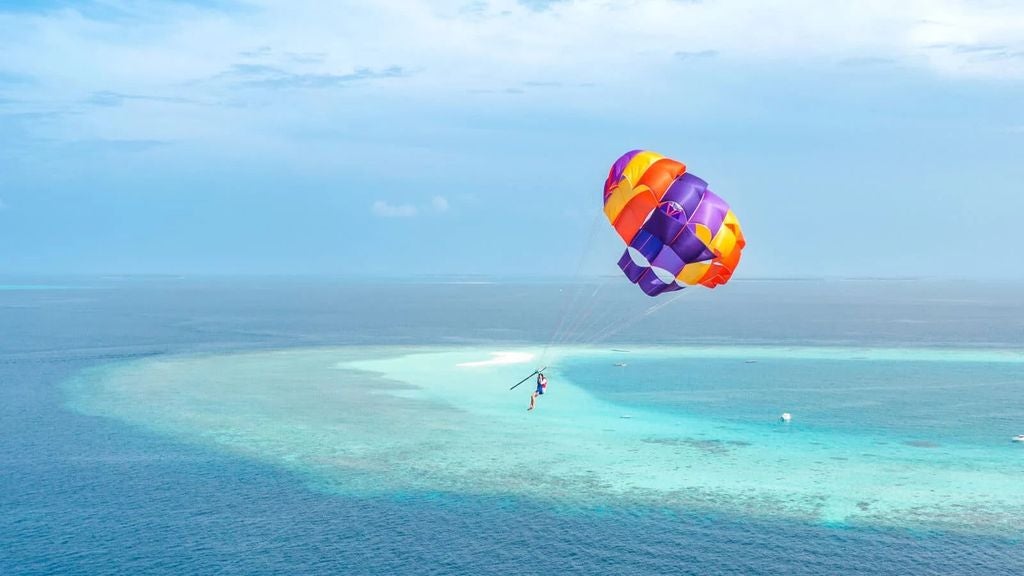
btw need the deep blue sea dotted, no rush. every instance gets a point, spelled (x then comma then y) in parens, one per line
(84, 494)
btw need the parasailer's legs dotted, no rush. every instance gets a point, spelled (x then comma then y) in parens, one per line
(542, 383)
(533, 397)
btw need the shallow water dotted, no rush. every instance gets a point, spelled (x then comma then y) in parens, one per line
(420, 421)
(262, 426)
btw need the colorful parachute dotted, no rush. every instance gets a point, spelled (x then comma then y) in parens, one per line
(678, 232)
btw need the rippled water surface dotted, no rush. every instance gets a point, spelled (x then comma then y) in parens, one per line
(268, 426)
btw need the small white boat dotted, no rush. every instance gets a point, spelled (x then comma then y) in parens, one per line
(786, 417)
(620, 364)
(1018, 438)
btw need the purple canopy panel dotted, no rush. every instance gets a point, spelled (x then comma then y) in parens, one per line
(666, 222)
(645, 243)
(669, 261)
(646, 248)
(686, 191)
(616, 172)
(661, 276)
(652, 285)
(690, 248)
(631, 269)
(647, 251)
(710, 212)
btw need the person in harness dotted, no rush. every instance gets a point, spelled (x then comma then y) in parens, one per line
(542, 384)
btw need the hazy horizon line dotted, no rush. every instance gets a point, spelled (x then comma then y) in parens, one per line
(466, 276)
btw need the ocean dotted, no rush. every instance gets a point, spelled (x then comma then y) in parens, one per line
(257, 425)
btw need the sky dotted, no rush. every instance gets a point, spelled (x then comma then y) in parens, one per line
(406, 138)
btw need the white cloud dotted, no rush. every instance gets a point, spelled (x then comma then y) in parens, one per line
(385, 209)
(440, 203)
(601, 40)
(275, 65)
(504, 40)
(389, 210)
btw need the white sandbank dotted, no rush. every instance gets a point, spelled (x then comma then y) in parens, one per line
(499, 359)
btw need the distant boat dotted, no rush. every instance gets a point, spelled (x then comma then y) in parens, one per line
(1018, 438)
(786, 417)
(750, 361)
(620, 364)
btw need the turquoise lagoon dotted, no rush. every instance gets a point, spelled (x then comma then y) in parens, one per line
(889, 437)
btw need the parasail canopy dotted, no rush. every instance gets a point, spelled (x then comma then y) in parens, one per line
(677, 232)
